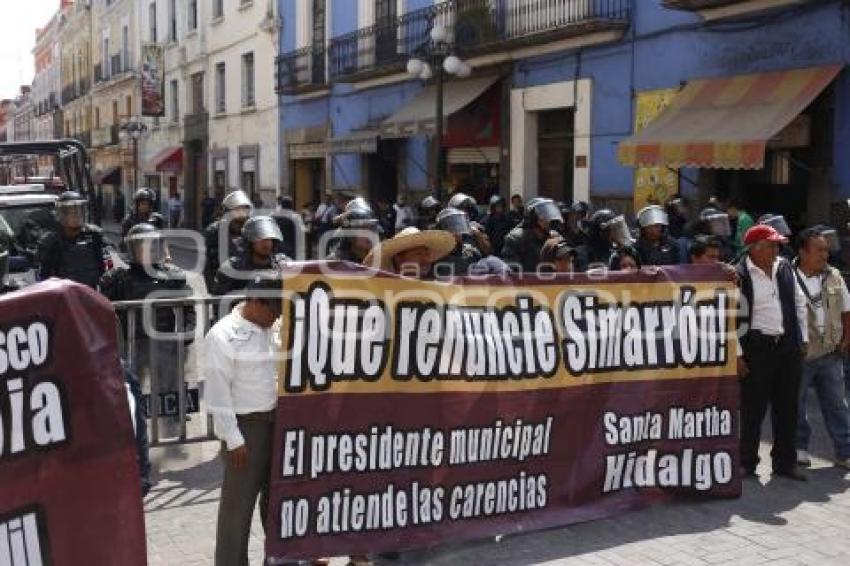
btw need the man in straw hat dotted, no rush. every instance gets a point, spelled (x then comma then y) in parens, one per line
(412, 252)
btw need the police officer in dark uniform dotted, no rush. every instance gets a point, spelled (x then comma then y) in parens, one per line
(467, 204)
(497, 224)
(142, 211)
(606, 233)
(149, 275)
(428, 210)
(655, 246)
(465, 253)
(261, 238)
(237, 209)
(523, 244)
(74, 250)
(358, 233)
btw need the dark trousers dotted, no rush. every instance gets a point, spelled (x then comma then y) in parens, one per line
(240, 490)
(775, 371)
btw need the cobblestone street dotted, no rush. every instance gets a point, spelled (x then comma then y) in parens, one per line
(777, 521)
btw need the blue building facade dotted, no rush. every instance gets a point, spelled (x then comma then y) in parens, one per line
(566, 79)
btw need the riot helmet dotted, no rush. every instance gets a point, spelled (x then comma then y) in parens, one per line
(652, 215)
(359, 214)
(145, 244)
(429, 203)
(237, 199)
(143, 194)
(543, 210)
(777, 222)
(595, 225)
(454, 221)
(497, 200)
(463, 202)
(71, 207)
(261, 228)
(716, 223)
(618, 231)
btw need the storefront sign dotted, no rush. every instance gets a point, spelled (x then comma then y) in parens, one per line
(413, 414)
(69, 480)
(653, 185)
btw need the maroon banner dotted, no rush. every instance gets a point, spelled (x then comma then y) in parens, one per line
(413, 414)
(70, 493)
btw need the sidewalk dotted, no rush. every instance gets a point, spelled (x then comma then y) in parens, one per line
(776, 521)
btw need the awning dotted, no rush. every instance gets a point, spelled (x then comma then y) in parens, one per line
(357, 141)
(473, 156)
(109, 176)
(169, 160)
(725, 123)
(418, 116)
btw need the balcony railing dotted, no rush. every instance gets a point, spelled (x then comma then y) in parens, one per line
(698, 4)
(301, 71)
(478, 26)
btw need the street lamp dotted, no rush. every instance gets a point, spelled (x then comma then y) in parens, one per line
(134, 129)
(436, 59)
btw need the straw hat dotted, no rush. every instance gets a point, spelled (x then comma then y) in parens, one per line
(439, 242)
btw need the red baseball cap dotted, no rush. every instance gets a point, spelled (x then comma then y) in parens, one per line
(762, 232)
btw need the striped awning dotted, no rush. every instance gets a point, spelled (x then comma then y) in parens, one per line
(725, 123)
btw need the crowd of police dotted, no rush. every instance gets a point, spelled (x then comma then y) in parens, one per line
(794, 332)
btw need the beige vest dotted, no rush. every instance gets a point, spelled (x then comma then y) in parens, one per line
(826, 343)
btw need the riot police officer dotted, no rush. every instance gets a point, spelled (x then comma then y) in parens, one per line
(497, 224)
(149, 275)
(465, 254)
(466, 204)
(606, 233)
(429, 207)
(237, 209)
(75, 249)
(523, 244)
(655, 246)
(142, 211)
(261, 238)
(357, 235)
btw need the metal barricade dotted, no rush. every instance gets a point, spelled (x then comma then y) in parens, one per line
(161, 404)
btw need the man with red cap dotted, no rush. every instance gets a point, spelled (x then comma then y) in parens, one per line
(773, 335)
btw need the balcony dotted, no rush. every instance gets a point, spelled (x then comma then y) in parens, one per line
(106, 136)
(717, 9)
(479, 27)
(117, 66)
(301, 71)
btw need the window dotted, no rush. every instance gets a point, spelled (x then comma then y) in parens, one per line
(197, 93)
(107, 71)
(175, 101)
(172, 19)
(129, 106)
(248, 79)
(220, 174)
(193, 15)
(218, 9)
(220, 89)
(248, 165)
(125, 48)
(152, 22)
(97, 118)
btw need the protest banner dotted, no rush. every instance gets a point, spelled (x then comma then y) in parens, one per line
(418, 413)
(70, 493)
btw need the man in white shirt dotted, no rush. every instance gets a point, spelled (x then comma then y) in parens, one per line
(828, 310)
(773, 332)
(240, 369)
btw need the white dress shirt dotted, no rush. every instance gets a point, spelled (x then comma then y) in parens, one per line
(766, 309)
(814, 285)
(240, 370)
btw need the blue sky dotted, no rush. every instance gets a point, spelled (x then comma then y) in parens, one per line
(17, 39)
